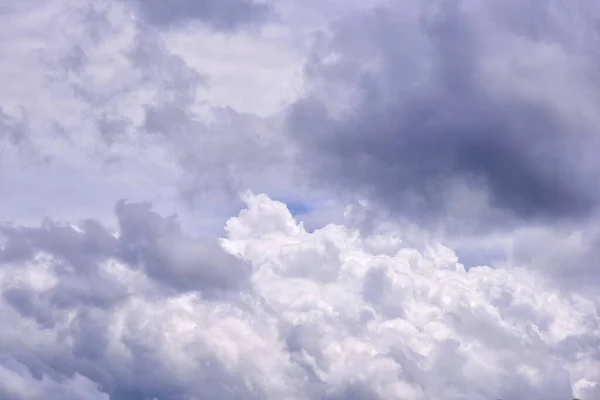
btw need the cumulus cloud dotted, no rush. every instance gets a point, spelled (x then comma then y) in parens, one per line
(331, 314)
(467, 111)
(469, 114)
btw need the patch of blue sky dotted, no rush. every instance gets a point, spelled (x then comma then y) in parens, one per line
(298, 207)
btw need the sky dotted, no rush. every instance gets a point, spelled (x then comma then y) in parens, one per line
(285, 199)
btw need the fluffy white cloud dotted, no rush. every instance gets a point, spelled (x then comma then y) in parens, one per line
(329, 314)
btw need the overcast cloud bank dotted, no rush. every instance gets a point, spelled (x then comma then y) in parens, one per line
(440, 157)
(476, 114)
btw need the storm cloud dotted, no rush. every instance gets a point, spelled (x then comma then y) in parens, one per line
(469, 108)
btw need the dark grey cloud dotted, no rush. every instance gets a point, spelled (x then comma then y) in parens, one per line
(146, 241)
(157, 244)
(225, 15)
(403, 107)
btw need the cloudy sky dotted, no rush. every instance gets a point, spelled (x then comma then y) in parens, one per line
(299, 199)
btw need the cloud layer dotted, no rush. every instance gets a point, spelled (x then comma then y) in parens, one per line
(102, 99)
(148, 313)
(458, 108)
(376, 122)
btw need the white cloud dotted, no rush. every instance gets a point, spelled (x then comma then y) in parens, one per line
(256, 72)
(331, 314)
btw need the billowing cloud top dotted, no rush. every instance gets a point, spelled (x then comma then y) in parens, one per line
(330, 314)
(427, 223)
